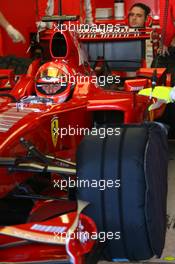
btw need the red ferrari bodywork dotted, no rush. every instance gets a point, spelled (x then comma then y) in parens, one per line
(54, 129)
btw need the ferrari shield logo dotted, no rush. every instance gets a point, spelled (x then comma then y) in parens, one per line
(54, 130)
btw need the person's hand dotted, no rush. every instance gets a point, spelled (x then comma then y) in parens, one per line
(163, 51)
(41, 25)
(15, 35)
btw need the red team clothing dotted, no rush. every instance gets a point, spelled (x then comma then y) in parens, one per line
(169, 26)
(1, 51)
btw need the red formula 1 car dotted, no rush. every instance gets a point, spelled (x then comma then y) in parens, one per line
(47, 177)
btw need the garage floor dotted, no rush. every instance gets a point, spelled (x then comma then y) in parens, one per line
(168, 255)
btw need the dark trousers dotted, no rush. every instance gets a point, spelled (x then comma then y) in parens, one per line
(168, 62)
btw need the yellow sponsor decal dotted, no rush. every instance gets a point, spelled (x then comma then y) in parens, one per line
(55, 130)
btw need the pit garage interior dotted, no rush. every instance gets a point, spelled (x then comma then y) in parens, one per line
(125, 52)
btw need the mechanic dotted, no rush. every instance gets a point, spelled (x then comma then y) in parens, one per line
(167, 20)
(166, 57)
(166, 51)
(138, 15)
(15, 35)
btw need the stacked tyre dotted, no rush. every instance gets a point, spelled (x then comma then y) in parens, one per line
(138, 159)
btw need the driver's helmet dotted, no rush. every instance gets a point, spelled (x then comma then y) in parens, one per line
(52, 81)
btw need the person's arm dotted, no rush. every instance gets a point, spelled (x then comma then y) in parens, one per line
(3, 21)
(15, 35)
